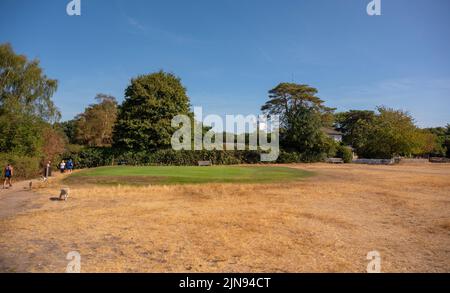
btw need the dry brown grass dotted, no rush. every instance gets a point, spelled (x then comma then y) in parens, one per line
(327, 223)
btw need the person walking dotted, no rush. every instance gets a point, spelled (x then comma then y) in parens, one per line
(9, 173)
(69, 166)
(48, 170)
(62, 166)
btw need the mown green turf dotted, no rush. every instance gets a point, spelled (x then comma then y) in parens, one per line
(186, 175)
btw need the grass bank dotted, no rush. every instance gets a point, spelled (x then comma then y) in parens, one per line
(126, 175)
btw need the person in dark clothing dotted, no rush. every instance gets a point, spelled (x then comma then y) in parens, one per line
(9, 173)
(69, 166)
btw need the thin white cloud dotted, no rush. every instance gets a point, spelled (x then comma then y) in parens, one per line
(136, 25)
(152, 31)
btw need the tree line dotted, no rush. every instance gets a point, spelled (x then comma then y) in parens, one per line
(31, 131)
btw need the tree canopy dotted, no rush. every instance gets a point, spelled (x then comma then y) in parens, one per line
(384, 134)
(443, 140)
(302, 115)
(144, 119)
(287, 98)
(24, 88)
(94, 127)
(354, 126)
(26, 108)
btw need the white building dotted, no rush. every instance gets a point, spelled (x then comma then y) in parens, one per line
(333, 133)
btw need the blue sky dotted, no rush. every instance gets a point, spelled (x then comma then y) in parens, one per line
(229, 53)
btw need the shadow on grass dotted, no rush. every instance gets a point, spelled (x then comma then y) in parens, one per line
(56, 199)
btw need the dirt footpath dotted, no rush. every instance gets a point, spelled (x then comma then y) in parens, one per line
(17, 200)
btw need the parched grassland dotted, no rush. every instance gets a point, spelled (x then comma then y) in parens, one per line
(324, 223)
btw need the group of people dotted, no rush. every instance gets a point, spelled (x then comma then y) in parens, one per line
(8, 171)
(63, 167)
(66, 166)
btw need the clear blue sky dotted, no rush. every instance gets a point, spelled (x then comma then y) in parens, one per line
(229, 53)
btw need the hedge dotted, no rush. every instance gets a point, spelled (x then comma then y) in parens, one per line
(96, 157)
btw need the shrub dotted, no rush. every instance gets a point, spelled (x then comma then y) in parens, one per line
(313, 157)
(289, 157)
(24, 167)
(191, 158)
(96, 157)
(345, 153)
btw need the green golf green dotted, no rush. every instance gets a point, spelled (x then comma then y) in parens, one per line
(127, 175)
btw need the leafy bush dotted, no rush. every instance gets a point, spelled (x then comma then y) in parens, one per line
(289, 157)
(24, 167)
(345, 153)
(96, 157)
(313, 157)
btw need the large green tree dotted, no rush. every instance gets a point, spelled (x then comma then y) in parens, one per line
(94, 127)
(24, 88)
(384, 134)
(443, 140)
(26, 108)
(144, 119)
(393, 133)
(426, 143)
(287, 98)
(302, 115)
(69, 130)
(354, 126)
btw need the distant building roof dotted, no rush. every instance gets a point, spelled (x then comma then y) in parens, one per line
(331, 131)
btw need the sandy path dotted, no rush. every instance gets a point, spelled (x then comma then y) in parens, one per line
(17, 199)
(14, 201)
